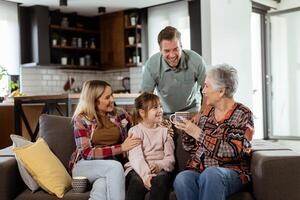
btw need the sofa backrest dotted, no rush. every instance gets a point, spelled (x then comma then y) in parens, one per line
(181, 156)
(57, 131)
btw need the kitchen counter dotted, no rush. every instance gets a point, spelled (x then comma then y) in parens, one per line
(120, 98)
(57, 104)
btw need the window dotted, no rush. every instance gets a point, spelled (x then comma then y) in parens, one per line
(9, 40)
(258, 66)
(284, 73)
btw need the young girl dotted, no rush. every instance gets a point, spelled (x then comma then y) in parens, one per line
(151, 162)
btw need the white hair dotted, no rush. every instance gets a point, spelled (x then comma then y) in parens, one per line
(224, 76)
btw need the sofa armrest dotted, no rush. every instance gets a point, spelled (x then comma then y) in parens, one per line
(276, 175)
(11, 183)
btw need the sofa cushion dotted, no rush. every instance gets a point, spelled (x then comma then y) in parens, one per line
(44, 167)
(57, 131)
(19, 141)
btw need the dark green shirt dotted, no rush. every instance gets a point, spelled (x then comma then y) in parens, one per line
(179, 90)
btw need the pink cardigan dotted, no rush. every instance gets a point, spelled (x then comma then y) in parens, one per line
(157, 147)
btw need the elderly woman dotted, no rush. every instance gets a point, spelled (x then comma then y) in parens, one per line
(100, 132)
(220, 146)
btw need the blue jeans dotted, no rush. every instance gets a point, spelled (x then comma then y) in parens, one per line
(107, 177)
(214, 183)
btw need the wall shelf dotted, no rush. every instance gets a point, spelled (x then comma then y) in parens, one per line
(57, 27)
(74, 48)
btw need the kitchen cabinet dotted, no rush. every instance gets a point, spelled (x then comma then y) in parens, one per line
(74, 40)
(70, 41)
(133, 38)
(112, 45)
(122, 39)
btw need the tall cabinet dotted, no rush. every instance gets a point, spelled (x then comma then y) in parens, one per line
(112, 41)
(122, 40)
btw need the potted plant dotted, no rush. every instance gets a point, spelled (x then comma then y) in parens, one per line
(55, 38)
(3, 72)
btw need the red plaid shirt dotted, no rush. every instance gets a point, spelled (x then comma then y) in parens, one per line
(82, 133)
(223, 143)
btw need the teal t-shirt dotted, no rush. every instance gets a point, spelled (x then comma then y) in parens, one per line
(179, 90)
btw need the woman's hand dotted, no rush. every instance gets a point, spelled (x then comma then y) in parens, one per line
(130, 142)
(195, 119)
(154, 168)
(189, 127)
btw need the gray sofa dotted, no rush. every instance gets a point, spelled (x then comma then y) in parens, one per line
(276, 170)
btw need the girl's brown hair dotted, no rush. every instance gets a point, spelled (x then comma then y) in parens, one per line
(145, 101)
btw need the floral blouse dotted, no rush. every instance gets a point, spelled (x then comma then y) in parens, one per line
(82, 134)
(224, 143)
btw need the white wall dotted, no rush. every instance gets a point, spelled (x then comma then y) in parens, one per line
(286, 4)
(226, 39)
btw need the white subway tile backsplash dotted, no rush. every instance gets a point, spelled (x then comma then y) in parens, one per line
(46, 77)
(36, 81)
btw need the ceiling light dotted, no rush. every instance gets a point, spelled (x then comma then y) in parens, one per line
(63, 2)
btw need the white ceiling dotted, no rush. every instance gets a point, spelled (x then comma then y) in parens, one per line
(90, 7)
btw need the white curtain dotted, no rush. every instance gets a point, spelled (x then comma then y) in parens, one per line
(173, 14)
(9, 37)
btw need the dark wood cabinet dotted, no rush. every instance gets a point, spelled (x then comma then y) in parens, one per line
(112, 41)
(71, 41)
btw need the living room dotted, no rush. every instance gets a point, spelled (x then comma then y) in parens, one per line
(222, 31)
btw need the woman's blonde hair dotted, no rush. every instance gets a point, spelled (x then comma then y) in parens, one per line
(91, 91)
(145, 101)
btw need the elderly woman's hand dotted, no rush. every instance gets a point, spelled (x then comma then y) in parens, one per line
(189, 127)
(130, 142)
(195, 119)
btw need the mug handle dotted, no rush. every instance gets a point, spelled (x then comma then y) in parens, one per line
(171, 118)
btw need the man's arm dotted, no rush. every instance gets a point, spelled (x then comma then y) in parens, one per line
(201, 79)
(148, 82)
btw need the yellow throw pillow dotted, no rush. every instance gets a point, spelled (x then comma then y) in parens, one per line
(44, 167)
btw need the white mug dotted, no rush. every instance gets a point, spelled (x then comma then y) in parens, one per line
(130, 40)
(179, 116)
(64, 60)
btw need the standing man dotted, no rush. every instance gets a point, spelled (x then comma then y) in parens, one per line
(178, 75)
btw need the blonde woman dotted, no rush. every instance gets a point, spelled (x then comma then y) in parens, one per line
(100, 131)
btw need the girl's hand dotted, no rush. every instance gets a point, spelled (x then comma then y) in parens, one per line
(154, 168)
(130, 142)
(189, 127)
(147, 182)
